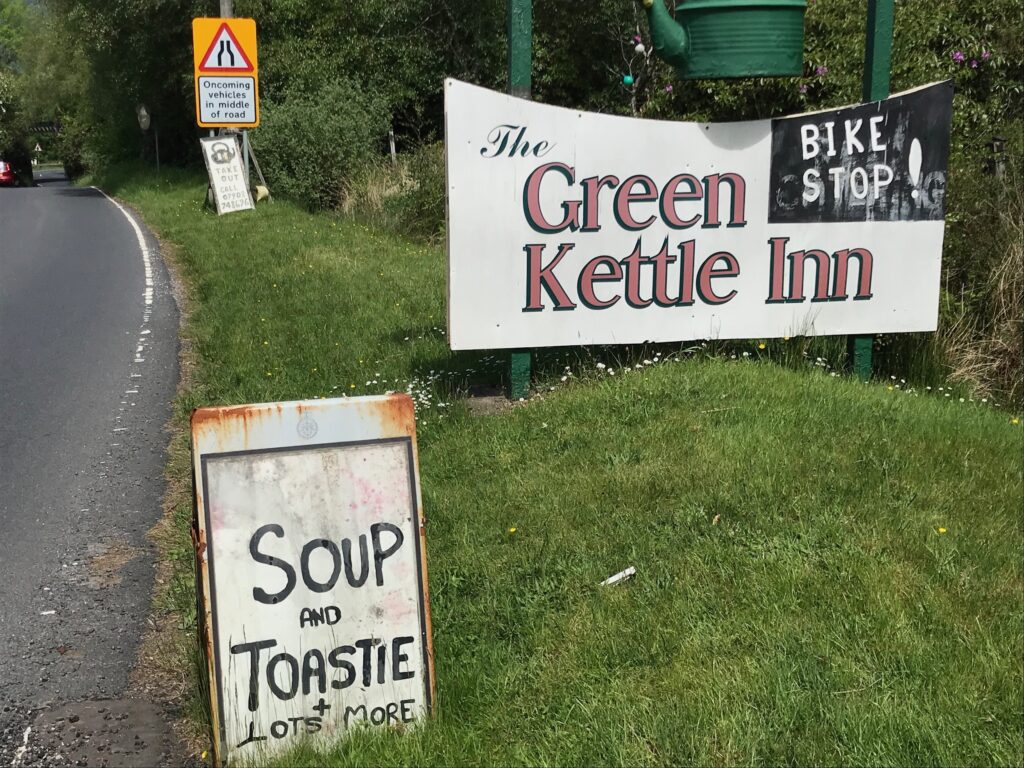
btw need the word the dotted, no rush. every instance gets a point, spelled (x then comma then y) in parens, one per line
(502, 143)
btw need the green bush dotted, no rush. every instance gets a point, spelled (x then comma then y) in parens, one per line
(419, 210)
(310, 143)
(70, 146)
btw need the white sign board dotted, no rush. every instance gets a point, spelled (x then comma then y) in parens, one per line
(226, 100)
(227, 177)
(568, 228)
(309, 538)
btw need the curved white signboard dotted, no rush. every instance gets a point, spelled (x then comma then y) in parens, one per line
(569, 228)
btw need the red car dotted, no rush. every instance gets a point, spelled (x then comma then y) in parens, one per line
(7, 178)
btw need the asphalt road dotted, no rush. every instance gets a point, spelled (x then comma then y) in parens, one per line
(88, 366)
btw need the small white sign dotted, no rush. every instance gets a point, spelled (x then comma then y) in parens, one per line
(312, 570)
(226, 100)
(227, 177)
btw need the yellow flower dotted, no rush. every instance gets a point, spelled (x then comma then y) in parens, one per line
(761, 345)
(890, 387)
(785, 338)
(941, 529)
(512, 529)
(351, 386)
(1015, 421)
(203, 756)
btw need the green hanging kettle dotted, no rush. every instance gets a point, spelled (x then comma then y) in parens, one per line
(729, 38)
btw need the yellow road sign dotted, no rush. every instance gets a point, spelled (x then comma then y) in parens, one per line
(227, 74)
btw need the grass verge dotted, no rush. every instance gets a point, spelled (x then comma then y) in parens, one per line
(827, 572)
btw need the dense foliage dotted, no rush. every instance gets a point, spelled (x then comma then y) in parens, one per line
(14, 127)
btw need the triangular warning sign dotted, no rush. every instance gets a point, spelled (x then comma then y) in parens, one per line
(225, 54)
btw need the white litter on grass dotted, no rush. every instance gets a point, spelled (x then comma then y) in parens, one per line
(22, 748)
(47, 613)
(620, 576)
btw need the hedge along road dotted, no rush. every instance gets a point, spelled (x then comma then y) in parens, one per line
(88, 367)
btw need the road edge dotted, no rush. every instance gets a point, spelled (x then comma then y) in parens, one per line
(162, 671)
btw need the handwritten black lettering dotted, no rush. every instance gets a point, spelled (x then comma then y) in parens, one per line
(253, 649)
(251, 737)
(399, 657)
(311, 670)
(259, 594)
(292, 663)
(381, 554)
(307, 577)
(339, 663)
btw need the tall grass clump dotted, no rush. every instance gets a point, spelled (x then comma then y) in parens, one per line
(406, 197)
(985, 345)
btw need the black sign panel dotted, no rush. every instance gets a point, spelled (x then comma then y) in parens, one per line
(883, 161)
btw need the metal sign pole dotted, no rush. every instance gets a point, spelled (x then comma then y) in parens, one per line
(520, 44)
(245, 157)
(227, 11)
(877, 68)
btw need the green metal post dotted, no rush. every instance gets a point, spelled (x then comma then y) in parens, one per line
(520, 66)
(877, 67)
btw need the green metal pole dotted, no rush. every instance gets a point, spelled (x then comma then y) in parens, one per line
(520, 65)
(877, 68)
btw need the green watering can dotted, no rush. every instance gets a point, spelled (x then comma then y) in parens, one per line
(729, 38)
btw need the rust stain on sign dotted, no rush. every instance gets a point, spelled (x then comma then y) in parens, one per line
(233, 425)
(398, 414)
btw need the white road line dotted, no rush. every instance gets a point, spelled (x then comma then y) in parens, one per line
(22, 748)
(146, 261)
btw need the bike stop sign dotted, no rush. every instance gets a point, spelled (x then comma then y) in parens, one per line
(226, 73)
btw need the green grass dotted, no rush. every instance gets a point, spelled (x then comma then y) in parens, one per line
(795, 601)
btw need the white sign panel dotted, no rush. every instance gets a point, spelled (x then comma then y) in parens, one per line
(227, 178)
(313, 572)
(226, 100)
(568, 228)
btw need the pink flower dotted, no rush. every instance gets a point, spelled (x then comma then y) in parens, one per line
(668, 88)
(802, 89)
(974, 63)
(637, 39)
(985, 55)
(958, 57)
(821, 70)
